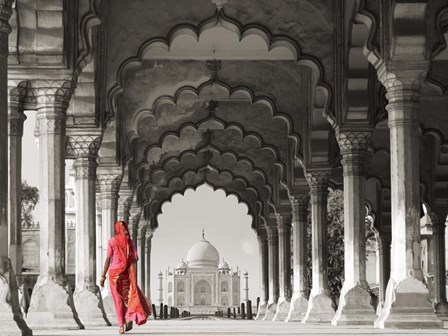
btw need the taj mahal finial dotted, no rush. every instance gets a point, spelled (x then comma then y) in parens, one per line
(203, 234)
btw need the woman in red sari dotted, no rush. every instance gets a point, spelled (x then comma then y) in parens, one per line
(130, 303)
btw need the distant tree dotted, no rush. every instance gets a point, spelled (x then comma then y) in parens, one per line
(30, 197)
(335, 244)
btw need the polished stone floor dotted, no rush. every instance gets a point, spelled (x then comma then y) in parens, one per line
(237, 327)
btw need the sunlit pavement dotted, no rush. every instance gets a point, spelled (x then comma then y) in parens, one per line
(238, 327)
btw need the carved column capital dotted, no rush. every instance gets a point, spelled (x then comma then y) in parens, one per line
(15, 121)
(135, 213)
(438, 219)
(299, 205)
(299, 201)
(318, 180)
(354, 150)
(402, 81)
(109, 182)
(82, 145)
(109, 186)
(272, 235)
(53, 96)
(125, 200)
(85, 168)
(354, 141)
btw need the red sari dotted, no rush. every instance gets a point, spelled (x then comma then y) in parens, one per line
(130, 303)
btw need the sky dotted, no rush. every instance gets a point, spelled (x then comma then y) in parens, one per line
(225, 222)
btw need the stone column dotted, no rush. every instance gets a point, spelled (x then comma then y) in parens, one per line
(148, 244)
(109, 180)
(384, 240)
(264, 276)
(124, 203)
(354, 302)
(273, 273)
(284, 246)
(141, 263)
(438, 254)
(11, 318)
(50, 296)
(84, 147)
(15, 133)
(299, 301)
(406, 303)
(99, 233)
(135, 213)
(320, 305)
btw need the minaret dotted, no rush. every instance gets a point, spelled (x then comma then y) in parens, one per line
(160, 290)
(246, 287)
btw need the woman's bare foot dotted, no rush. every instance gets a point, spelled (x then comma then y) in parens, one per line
(129, 325)
(121, 330)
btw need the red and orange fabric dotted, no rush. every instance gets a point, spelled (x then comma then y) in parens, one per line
(130, 303)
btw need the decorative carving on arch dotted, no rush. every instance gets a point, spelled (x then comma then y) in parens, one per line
(274, 47)
(208, 91)
(217, 180)
(190, 137)
(227, 161)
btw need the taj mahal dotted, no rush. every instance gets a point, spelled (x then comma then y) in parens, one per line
(202, 284)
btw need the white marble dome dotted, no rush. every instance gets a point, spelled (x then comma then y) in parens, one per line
(223, 265)
(181, 265)
(203, 254)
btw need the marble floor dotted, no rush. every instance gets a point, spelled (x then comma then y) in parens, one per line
(237, 327)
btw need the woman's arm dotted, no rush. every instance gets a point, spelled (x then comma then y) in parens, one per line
(106, 267)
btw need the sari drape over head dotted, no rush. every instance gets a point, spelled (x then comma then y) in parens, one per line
(130, 303)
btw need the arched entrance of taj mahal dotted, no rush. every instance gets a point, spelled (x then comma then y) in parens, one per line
(274, 102)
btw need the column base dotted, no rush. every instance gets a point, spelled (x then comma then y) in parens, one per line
(90, 308)
(261, 310)
(298, 308)
(442, 310)
(11, 318)
(270, 311)
(320, 309)
(24, 299)
(407, 307)
(50, 307)
(109, 307)
(354, 307)
(282, 310)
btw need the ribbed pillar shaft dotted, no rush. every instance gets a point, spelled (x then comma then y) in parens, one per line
(141, 264)
(354, 302)
(284, 261)
(273, 271)
(50, 296)
(299, 301)
(148, 245)
(273, 267)
(402, 80)
(11, 318)
(109, 179)
(437, 253)
(320, 305)
(15, 133)
(264, 276)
